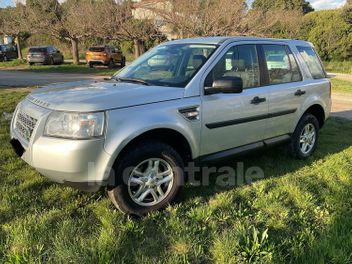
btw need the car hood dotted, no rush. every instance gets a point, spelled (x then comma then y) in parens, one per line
(88, 96)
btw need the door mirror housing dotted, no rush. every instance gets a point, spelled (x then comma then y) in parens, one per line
(226, 85)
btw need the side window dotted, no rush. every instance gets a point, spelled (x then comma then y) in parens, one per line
(281, 64)
(239, 61)
(196, 59)
(312, 60)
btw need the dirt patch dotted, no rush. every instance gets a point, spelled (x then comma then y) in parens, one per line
(342, 105)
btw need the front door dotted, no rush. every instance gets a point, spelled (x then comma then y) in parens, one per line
(233, 120)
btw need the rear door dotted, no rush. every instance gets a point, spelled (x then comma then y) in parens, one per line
(287, 90)
(234, 120)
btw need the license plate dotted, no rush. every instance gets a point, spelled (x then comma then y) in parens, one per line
(17, 147)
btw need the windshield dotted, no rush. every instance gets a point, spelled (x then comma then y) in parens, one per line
(37, 50)
(97, 49)
(168, 65)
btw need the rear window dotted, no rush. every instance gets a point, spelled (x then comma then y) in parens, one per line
(313, 62)
(97, 49)
(37, 49)
(281, 64)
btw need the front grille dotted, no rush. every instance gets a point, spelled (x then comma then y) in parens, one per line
(24, 125)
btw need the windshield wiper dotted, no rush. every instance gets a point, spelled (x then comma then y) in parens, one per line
(133, 80)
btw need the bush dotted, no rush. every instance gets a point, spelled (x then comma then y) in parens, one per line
(330, 34)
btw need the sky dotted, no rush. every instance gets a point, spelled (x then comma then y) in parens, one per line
(317, 4)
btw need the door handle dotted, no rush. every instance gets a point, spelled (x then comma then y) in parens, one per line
(257, 100)
(299, 92)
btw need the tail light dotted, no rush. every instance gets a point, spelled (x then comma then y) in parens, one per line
(330, 88)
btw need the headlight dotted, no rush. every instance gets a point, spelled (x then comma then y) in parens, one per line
(75, 125)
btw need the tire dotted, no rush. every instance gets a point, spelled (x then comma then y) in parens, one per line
(143, 159)
(5, 58)
(90, 65)
(123, 62)
(302, 146)
(51, 61)
(31, 63)
(111, 64)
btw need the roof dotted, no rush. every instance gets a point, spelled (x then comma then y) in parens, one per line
(38, 47)
(220, 40)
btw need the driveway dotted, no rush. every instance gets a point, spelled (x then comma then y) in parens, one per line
(341, 76)
(28, 78)
(342, 105)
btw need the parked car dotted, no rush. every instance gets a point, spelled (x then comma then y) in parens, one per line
(45, 55)
(8, 52)
(201, 99)
(105, 55)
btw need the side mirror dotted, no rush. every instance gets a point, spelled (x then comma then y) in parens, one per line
(226, 85)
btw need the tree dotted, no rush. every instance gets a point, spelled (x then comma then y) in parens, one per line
(189, 18)
(330, 33)
(269, 5)
(347, 12)
(13, 23)
(116, 22)
(71, 21)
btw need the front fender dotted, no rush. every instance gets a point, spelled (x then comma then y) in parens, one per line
(126, 124)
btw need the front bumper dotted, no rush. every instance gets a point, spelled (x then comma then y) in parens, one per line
(82, 164)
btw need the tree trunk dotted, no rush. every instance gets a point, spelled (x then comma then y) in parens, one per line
(141, 47)
(75, 53)
(138, 47)
(18, 45)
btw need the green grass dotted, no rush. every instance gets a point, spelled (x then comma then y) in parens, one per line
(63, 68)
(341, 86)
(12, 63)
(338, 66)
(300, 213)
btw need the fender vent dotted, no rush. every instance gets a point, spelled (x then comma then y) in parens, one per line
(190, 113)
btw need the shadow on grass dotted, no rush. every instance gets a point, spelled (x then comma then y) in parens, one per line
(276, 162)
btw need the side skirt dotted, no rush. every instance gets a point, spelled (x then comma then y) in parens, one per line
(242, 150)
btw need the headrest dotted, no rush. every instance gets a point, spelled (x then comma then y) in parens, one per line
(198, 60)
(239, 65)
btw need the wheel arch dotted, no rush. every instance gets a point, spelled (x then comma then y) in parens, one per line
(318, 111)
(166, 135)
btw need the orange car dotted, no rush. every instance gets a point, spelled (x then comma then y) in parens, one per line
(105, 55)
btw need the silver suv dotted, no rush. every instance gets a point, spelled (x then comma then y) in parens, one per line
(200, 99)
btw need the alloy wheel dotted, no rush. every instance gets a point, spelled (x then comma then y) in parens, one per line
(307, 138)
(150, 182)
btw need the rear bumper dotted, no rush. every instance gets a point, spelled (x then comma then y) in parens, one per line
(37, 59)
(98, 62)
